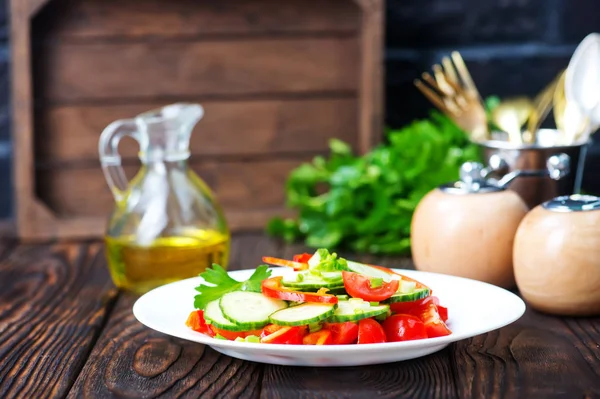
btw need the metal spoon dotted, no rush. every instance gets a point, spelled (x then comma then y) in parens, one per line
(510, 115)
(569, 118)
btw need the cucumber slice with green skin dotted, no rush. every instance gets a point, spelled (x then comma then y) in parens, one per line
(250, 310)
(309, 281)
(214, 316)
(308, 285)
(371, 271)
(355, 310)
(301, 315)
(417, 294)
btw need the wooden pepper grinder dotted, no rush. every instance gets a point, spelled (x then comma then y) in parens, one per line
(467, 228)
(557, 256)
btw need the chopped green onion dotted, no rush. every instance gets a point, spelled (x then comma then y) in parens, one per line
(240, 339)
(219, 336)
(342, 297)
(383, 316)
(374, 303)
(314, 327)
(376, 282)
(299, 277)
(253, 339)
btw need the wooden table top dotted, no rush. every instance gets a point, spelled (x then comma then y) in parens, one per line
(65, 331)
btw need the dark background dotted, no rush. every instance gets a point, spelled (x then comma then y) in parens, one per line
(510, 46)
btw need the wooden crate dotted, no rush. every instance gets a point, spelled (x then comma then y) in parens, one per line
(277, 79)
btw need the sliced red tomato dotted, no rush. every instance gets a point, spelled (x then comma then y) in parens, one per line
(321, 337)
(284, 262)
(443, 311)
(359, 286)
(302, 258)
(434, 325)
(370, 332)
(407, 307)
(285, 335)
(343, 333)
(232, 335)
(405, 278)
(404, 327)
(272, 288)
(196, 322)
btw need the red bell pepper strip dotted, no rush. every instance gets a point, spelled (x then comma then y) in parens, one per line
(322, 337)
(284, 262)
(302, 258)
(272, 288)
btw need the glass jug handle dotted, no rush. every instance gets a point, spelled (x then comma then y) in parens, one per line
(108, 147)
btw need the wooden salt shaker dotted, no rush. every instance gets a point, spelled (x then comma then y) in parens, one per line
(557, 256)
(467, 228)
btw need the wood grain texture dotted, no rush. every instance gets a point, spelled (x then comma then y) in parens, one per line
(53, 302)
(189, 68)
(239, 186)
(539, 356)
(228, 128)
(134, 19)
(429, 377)
(130, 360)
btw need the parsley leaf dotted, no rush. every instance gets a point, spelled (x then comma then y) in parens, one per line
(364, 203)
(220, 283)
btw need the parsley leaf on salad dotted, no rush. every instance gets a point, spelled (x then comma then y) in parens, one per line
(220, 283)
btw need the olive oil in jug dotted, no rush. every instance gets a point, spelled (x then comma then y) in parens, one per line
(139, 268)
(166, 225)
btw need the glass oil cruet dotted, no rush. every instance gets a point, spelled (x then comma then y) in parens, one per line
(166, 224)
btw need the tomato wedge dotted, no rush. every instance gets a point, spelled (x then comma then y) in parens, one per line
(443, 311)
(359, 286)
(284, 262)
(343, 333)
(302, 258)
(322, 337)
(370, 332)
(434, 325)
(404, 327)
(196, 322)
(272, 288)
(284, 335)
(407, 307)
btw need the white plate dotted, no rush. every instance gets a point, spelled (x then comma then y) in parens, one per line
(473, 307)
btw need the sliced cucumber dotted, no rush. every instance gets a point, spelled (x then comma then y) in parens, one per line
(310, 281)
(356, 309)
(250, 310)
(417, 294)
(214, 316)
(304, 314)
(371, 271)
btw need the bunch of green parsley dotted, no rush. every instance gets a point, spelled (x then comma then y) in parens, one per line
(365, 203)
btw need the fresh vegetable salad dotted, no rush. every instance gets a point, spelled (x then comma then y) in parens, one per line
(326, 300)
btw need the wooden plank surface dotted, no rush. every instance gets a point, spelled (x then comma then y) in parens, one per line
(43, 352)
(263, 127)
(70, 72)
(93, 19)
(130, 360)
(239, 186)
(53, 302)
(539, 356)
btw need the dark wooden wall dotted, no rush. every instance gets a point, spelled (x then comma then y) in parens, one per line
(511, 47)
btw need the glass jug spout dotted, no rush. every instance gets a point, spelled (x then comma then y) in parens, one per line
(165, 132)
